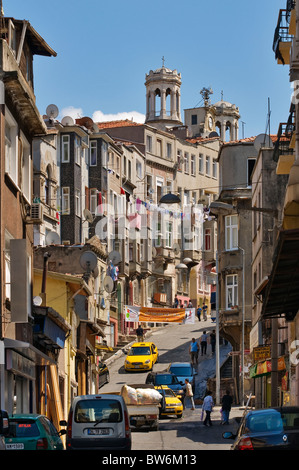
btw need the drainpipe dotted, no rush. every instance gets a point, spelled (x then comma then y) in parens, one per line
(2, 153)
(44, 280)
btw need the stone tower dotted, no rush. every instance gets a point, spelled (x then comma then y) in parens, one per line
(163, 98)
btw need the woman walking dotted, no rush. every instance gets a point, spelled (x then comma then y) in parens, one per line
(207, 406)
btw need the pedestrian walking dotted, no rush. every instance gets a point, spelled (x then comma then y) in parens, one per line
(198, 312)
(227, 401)
(139, 333)
(190, 304)
(213, 341)
(176, 302)
(203, 343)
(205, 311)
(207, 406)
(189, 394)
(193, 351)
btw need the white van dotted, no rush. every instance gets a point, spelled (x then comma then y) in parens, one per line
(98, 422)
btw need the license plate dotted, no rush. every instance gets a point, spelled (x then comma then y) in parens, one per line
(98, 432)
(19, 446)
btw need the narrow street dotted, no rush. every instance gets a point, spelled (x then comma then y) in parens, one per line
(174, 434)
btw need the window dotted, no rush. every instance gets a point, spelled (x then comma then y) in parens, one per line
(231, 290)
(25, 162)
(214, 168)
(77, 203)
(168, 150)
(207, 239)
(93, 200)
(65, 149)
(93, 153)
(179, 160)
(193, 165)
(65, 203)
(200, 163)
(193, 119)
(168, 235)
(208, 165)
(186, 158)
(11, 131)
(149, 143)
(77, 151)
(159, 148)
(250, 166)
(231, 232)
(138, 169)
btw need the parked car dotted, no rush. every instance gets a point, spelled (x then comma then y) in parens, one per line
(166, 378)
(172, 405)
(290, 420)
(103, 373)
(260, 430)
(4, 428)
(33, 432)
(98, 422)
(183, 370)
(141, 356)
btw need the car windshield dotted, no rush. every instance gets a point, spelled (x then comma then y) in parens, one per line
(23, 428)
(265, 422)
(166, 379)
(140, 351)
(181, 370)
(98, 411)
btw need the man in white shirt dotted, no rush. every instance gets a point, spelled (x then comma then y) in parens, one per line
(189, 394)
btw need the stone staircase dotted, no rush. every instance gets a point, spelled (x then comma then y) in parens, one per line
(123, 341)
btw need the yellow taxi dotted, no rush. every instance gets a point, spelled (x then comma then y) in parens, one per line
(141, 356)
(171, 404)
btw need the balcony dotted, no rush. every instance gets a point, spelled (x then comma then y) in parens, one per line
(283, 153)
(282, 41)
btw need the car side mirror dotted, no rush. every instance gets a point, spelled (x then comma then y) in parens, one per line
(228, 435)
(62, 432)
(63, 422)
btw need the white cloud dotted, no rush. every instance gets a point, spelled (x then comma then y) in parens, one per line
(75, 113)
(98, 116)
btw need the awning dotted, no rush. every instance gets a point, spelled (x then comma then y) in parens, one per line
(265, 368)
(29, 351)
(282, 291)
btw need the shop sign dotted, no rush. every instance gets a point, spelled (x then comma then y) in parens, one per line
(261, 353)
(20, 365)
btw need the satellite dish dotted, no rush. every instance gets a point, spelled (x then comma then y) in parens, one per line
(52, 238)
(150, 191)
(88, 216)
(108, 284)
(176, 249)
(67, 121)
(263, 141)
(88, 261)
(214, 134)
(52, 111)
(37, 301)
(114, 257)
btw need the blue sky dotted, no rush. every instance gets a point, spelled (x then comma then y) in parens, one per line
(104, 50)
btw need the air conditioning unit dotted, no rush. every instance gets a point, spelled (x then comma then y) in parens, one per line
(36, 213)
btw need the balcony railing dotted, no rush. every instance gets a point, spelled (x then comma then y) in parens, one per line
(283, 152)
(282, 38)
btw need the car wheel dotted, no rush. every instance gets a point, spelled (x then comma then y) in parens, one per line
(180, 415)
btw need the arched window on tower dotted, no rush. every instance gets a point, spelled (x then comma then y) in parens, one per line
(168, 101)
(158, 101)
